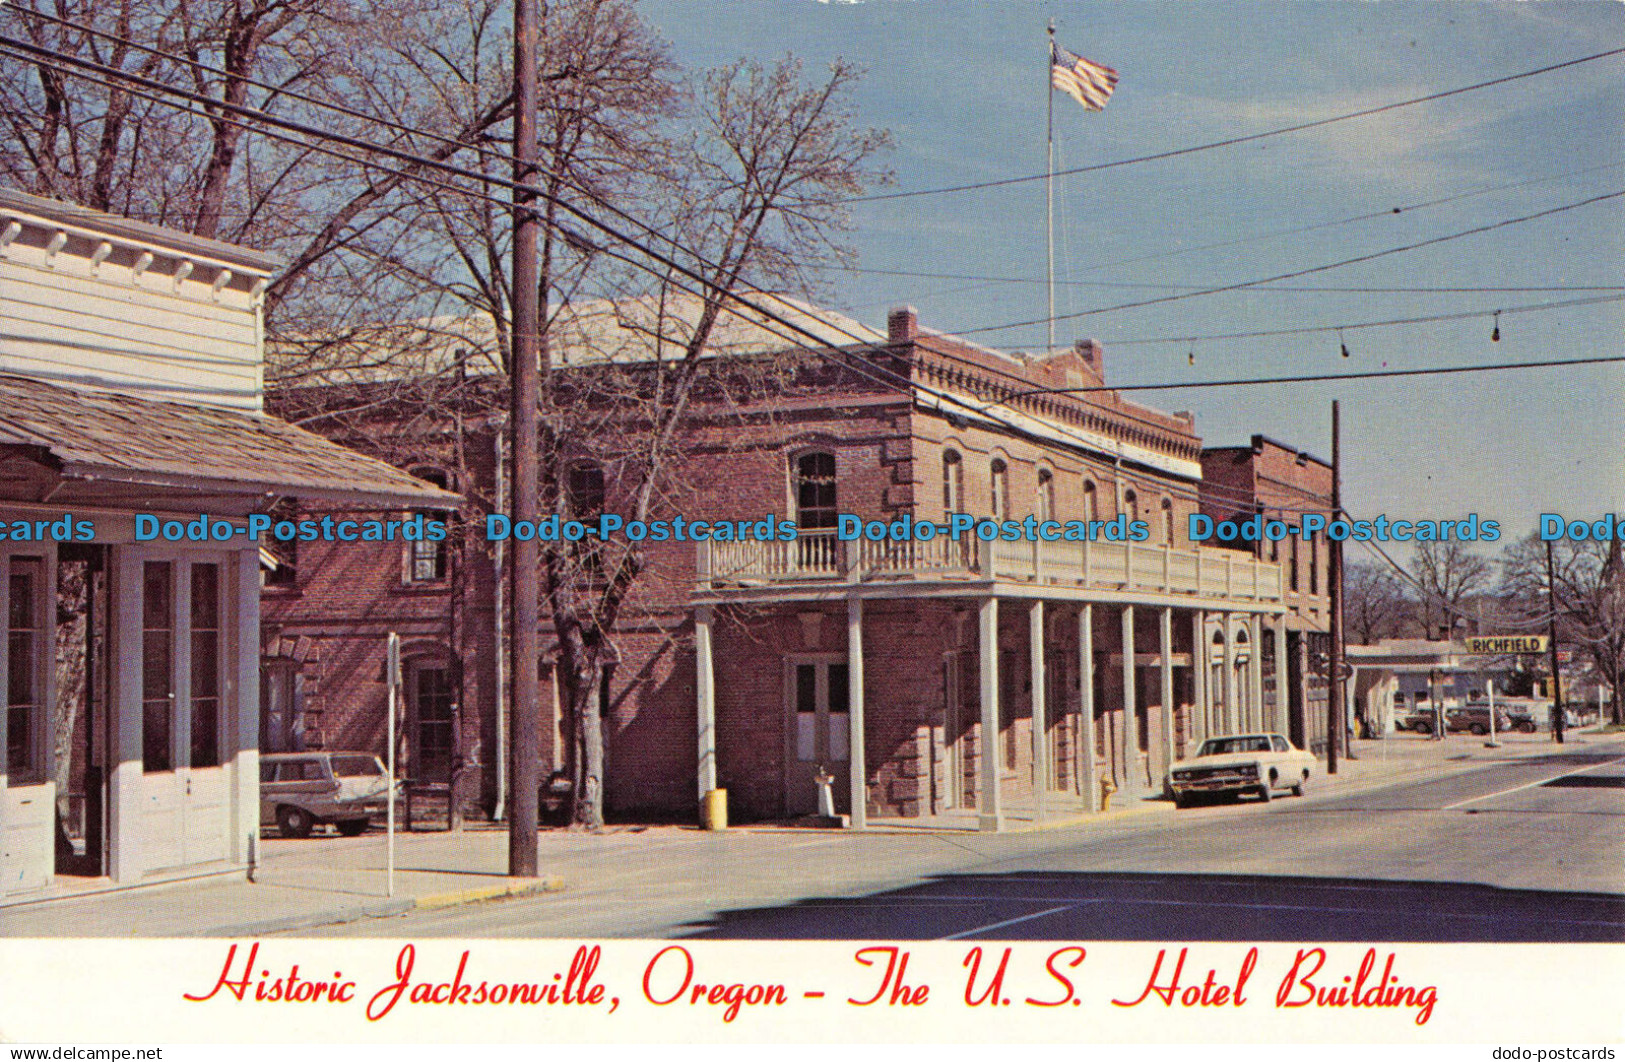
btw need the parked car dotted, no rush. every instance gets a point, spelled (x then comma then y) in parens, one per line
(1240, 763)
(301, 790)
(1475, 719)
(1417, 720)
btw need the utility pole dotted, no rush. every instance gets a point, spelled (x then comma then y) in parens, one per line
(1551, 631)
(1334, 688)
(523, 681)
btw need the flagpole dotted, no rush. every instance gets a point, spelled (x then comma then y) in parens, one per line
(1049, 179)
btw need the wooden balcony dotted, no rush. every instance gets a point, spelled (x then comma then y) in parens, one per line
(820, 562)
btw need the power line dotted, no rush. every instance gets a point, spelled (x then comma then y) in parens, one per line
(1321, 377)
(899, 383)
(1232, 141)
(1246, 284)
(1278, 233)
(1464, 315)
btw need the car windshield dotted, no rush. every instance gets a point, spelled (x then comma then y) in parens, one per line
(356, 766)
(1228, 746)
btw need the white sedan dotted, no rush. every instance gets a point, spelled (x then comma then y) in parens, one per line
(1240, 763)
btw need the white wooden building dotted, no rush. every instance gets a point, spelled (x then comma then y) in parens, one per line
(131, 370)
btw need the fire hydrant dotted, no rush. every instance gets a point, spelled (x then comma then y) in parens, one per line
(1107, 788)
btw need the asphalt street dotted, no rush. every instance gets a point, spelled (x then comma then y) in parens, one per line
(1527, 850)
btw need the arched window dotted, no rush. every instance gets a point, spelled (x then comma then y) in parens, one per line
(1131, 505)
(815, 490)
(1167, 522)
(426, 558)
(953, 482)
(1314, 565)
(1089, 501)
(1046, 494)
(1001, 488)
(1292, 566)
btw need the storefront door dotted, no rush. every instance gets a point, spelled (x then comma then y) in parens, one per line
(817, 733)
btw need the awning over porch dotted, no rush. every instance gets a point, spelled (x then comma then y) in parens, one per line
(68, 445)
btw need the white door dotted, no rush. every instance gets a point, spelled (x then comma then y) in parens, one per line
(184, 787)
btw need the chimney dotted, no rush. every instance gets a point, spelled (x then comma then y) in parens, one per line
(902, 325)
(1092, 355)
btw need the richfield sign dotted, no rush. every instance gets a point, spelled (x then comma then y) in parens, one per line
(1507, 644)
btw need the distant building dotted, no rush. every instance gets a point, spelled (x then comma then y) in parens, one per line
(130, 387)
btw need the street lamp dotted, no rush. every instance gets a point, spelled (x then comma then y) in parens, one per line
(1435, 693)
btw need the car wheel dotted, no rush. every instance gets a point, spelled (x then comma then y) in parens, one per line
(1479, 729)
(1302, 786)
(1527, 727)
(1423, 728)
(352, 827)
(1264, 793)
(294, 822)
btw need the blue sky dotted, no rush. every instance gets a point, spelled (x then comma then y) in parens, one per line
(961, 85)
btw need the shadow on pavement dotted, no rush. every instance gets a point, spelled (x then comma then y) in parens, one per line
(1194, 907)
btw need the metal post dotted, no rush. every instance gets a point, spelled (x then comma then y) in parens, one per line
(1551, 630)
(393, 667)
(1035, 644)
(1334, 691)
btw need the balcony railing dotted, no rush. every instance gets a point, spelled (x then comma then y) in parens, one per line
(821, 559)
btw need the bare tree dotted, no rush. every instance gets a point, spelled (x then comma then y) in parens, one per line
(1375, 604)
(755, 199)
(1588, 588)
(1447, 574)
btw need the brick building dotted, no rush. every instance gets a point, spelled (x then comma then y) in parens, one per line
(909, 670)
(1279, 482)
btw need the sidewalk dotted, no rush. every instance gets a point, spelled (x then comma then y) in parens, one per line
(303, 884)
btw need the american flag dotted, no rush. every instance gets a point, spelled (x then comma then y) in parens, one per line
(1089, 83)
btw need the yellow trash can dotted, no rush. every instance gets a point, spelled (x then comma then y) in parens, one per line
(714, 813)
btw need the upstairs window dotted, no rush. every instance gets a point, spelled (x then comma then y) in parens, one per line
(1131, 505)
(953, 482)
(1089, 502)
(1167, 522)
(1046, 494)
(1001, 488)
(815, 491)
(426, 559)
(584, 491)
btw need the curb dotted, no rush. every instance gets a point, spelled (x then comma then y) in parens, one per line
(434, 901)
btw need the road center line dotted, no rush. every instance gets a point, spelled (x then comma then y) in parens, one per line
(1531, 785)
(1013, 921)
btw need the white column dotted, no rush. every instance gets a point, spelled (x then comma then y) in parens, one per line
(244, 693)
(1199, 669)
(1131, 725)
(859, 785)
(1255, 669)
(124, 860)
(706, 703)
(1228, 724)
(1165, 635)
(1278, 633)
(989, 813)
(1086, 705)
(1035, 642)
